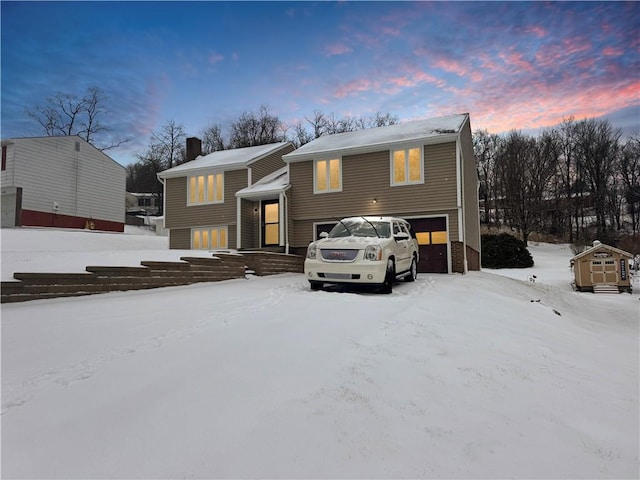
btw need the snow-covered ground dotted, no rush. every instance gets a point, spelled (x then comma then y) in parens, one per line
(484, 375)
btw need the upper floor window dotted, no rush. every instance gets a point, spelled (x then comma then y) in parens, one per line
(327, 175)
(4, 157)
(206, 189)
(407, 166)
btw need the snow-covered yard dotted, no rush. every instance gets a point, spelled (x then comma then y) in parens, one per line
(484, 375)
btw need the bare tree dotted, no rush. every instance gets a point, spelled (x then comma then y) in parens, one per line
(69, 114)
(300, 135)
(382, 120)
(318, 123)
(485, 147)
(524, 173)
(257, 129)
(169, 143)
(597, 146)
(212, 139)
(630, 174)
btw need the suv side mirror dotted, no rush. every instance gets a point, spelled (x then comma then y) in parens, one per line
(324, 234)
(401, 236)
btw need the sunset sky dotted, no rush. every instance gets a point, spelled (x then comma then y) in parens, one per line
(524, 65)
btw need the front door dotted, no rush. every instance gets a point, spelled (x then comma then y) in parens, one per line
(270, 223)
(432, 237)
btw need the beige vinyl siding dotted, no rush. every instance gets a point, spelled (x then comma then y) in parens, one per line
(178, 214)
(84, 183)
(180, 238)
(249, 224)
(269, 164)
(368, 176)
(470, 192)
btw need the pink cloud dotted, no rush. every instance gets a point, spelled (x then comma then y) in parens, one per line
(542, 106)
(215, 58)
(536, 30)
(337, 49)
(357, 85)
(459, 69)
(392, 31)
(612, 52)
(516, 59)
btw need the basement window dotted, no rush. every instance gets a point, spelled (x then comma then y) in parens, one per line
(209, 238)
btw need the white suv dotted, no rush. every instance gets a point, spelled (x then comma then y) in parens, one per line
(365, 250)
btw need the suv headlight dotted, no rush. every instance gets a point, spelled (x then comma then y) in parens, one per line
(312, 250)
(373, 252)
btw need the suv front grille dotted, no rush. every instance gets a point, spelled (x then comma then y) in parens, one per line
(338, 255)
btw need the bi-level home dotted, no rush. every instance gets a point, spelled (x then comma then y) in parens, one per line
(61, 182)
(230, 199)
(276, 198)
(423, 171)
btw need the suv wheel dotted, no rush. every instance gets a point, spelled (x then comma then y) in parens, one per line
(387, 285)
(413, 271)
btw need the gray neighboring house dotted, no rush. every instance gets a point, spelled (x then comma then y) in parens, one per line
(61, 182)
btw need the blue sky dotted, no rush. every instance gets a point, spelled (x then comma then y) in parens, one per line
(511, 65)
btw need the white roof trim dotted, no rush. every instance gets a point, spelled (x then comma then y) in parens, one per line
(430, 131)
(223, 160)
(268, 186)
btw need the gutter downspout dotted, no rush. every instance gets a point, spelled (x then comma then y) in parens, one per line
(164, 201)
(286, 222)
(462, 229)
(238, 223)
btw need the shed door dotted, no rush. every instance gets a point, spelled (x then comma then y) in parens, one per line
(433, 241)
(604, 272)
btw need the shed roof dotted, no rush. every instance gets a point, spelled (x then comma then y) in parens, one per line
(433, 129)
(224, 160)
(602, 246)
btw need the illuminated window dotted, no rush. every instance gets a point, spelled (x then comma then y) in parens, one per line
(407, 166)
(209, 238)
(271, 224)
(206, 189)
(328, 176)
(432, 238)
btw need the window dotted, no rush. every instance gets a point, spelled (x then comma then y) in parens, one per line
(206, 189)
(327, 176)
(407, 166)
(4, 157)
(271, 214)
(208, 238)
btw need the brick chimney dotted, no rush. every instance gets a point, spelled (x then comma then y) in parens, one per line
(194, 148)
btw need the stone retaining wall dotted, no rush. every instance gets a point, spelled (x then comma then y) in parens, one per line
(189, 270)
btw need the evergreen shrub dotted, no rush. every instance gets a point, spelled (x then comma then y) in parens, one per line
(504, 251)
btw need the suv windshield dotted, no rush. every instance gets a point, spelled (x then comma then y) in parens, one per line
(360, 228)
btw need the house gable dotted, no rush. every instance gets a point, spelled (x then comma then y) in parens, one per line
(237, 169)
